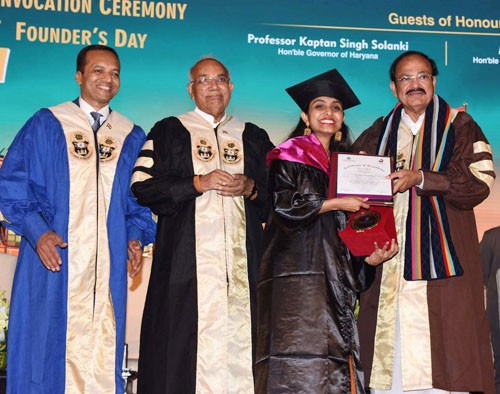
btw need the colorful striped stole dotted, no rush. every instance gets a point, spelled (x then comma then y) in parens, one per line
(429, 251)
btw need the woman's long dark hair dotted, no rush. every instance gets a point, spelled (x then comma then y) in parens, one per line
(344, 145)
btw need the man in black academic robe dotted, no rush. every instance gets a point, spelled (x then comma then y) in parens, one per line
(203, 174)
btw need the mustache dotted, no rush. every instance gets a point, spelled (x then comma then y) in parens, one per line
(416, 90)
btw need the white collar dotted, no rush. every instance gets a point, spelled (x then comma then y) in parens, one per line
(413, 125)
(209, 118)
(87, 108)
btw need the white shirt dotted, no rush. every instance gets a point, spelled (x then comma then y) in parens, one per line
(209, 118)
(87, 108)
(415, 127)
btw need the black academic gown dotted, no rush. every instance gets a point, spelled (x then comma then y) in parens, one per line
(169, 342)
(307, 336)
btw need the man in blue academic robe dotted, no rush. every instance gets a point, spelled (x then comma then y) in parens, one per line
(65, 188)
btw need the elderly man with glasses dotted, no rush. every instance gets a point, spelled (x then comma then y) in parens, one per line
(203, 173)
(423, 328)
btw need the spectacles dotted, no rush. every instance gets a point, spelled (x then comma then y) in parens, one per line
(205, 80)
(423, 77)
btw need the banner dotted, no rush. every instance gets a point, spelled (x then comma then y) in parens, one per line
(266, 45)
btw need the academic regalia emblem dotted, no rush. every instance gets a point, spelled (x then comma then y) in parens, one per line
(203, 150)
(107, 148)
(231, 152)
(400, 162)
(81, 148)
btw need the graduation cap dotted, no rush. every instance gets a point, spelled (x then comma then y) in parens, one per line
(329, 84)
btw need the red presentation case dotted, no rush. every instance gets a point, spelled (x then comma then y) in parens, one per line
(366, 226)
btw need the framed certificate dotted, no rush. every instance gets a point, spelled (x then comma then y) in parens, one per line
(364, 176)
(361, 176)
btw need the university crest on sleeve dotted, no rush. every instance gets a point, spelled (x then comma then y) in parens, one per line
(231, 152)
(203, 150)
(107, 147)
(81, 148)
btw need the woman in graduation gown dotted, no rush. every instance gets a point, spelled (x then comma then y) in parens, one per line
(307, 340)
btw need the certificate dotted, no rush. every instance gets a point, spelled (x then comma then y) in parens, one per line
(362, 176)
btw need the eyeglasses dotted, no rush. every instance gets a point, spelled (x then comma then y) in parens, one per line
(204, 80)
(423, 77)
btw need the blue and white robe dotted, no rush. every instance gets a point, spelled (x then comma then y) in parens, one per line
(67, 328)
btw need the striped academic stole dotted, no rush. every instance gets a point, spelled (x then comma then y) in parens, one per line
(429, 250)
